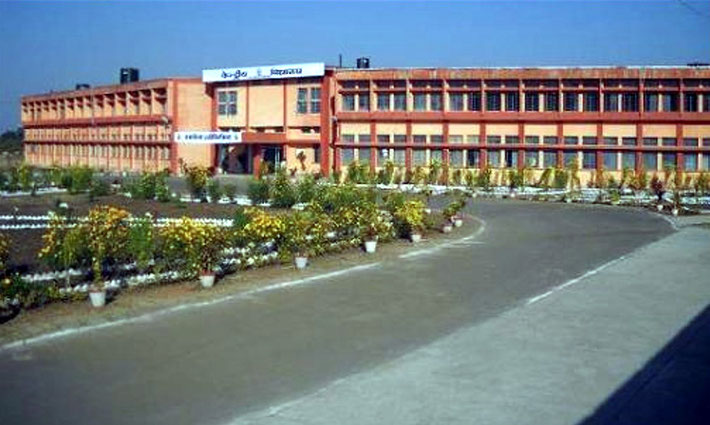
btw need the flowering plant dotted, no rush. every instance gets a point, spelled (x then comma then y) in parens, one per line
(296, 239)
(191, 246)
(410, 217)
(197, 177)
(4, 252)
(107, 231)
(262, 227)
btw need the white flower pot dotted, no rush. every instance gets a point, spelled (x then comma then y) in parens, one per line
(447, 228)
(207, 280)
(370, 247)
(300, 262)
(415, 237)
(427, 210)
(98, 298)
(674, 211)
(512, 195)
(659, 207)
(568, 200)
(458, 222)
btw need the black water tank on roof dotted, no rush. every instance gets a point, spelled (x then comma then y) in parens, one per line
(129, 75)
(82, 86)
(363, 63)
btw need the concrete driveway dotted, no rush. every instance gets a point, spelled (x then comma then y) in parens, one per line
(213, 364)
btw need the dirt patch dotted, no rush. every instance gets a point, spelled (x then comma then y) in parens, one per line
(138, 301)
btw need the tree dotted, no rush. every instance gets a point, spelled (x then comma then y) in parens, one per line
(11, 140)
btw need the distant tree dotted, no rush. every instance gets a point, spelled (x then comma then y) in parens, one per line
(11, 140)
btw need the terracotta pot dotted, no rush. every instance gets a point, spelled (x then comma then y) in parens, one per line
(300, 262)
(97, 297)
(370, 246)
(207, 280)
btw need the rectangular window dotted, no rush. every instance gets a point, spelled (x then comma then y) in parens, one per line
(473, 158)
(348, 102)
(227, 103)
(512, 101)
(650, 141)
(474, 101)
(419, 101)
(363, 155)
(569, 158)
(691, 102)
(706, 161)
(670, 102)
(399, 155)
(347, 156)
(532, 159)
(493, 140)
(511, 158)
(456, 101)
(383, 155)
(549, 159)
(512, 140)
(419, 157)
(628, 141)
(706, 101)
(456, 138)
(650, 161)
(348, 138)
(400, 138)
(589, 140)
(494, 159)
(610, 161)
(669, 160)
(668, 141)
(364, 139)
(436, 139)
(611, 141)
(456, 158)
(690, 161)
(532, 102)
(493, 101)
(571, 140)
(302, 101)
(630, 102)
(650, 102)
(611, 102)
(552, 102)
(549, 140)
(589, 160)
(400, 102)
(363, 102)
(571, 102)
(475, 139)
(315, 100)
(436, 102)
(383, 101)
(316, 154)
(419, 138)
(706, 141)
(532, 140)
(383, 138)
(628, 160)
(591, 102)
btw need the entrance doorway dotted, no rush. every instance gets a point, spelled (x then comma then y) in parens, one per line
(272, 155)
(234, 159)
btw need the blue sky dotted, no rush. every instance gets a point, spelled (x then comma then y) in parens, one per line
(51, 46)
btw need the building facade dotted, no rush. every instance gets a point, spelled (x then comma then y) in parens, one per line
(317, 118)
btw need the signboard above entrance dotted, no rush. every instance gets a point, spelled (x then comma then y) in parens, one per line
(208, 137)
(300, 70)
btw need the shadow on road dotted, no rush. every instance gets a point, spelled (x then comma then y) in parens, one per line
(672, 388)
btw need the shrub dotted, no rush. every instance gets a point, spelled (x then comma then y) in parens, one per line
(99, 187)
(409, 217)
(454, 207)
(294, 239)
(4, 253)
(162, 191)
(283, 193)
(262, 227)
(561, 178)
(28, 294)
(230, 191)
(190, 246)
(214, 191)
(353, 173)
(545, 180)
(516, 178)
(306, 189)
(107, 231)
(702, 183)
(483, 178)
(470, 178)
(434, 170)
(196, 178)
(141, 242)
(25, 177)
(258, 191)
(80, 180)
(657, 187)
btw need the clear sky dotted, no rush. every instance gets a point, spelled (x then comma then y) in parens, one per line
(52, 46)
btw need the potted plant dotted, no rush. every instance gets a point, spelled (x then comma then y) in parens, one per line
(676, 202)
(209, 241)
(295, 239)
(409, 218)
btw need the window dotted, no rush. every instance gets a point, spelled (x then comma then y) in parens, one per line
(549, 159)
(532, 159)
(589, 160)
(419, 157)
(512, 140)
(569, 158)
(419, 102)
(302, 101)
(532, 102)
(669, 160)
(571, 140)
(315, 100)
(650, 102)
(511, 159)
(363, 139)
(628, 141)
(570, 102)
(532, 140)
(347, 156)
(436, 155)
(630, 102)
(610, 161)
(227, 103)
(512, 101)
(456, 138)
(383, 155)
(706, 161)
(493, 140)
(552, 102)
(591, 102)
(475, 139)
(690, 141)
(650, 141)
(348, 138)
(628, 160)
(419, 138)
(494, 159)
(363, 155)
(611, 141)
(456, 158)
(399, 155)
(706, 141)
(436, 102)
(668, 141)
(493, 101)
(650, 161)
(706, 102)
(691, 102)
(348, 102)
(400, 102)
(549, 140)
(363, 102)
(436, 138)
(474, 101)
(383, 102)
(473, 158)
(383, 138)
(670, 102)
(456, 102)
(690, 162)
(611, 102)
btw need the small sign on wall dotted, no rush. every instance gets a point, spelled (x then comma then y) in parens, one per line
(208, 137)
(300, 70)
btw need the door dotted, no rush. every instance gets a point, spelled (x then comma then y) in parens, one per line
(272, 155)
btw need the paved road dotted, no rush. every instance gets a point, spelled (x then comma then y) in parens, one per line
(212, 364)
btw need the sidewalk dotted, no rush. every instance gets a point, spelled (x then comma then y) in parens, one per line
(555, 360)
